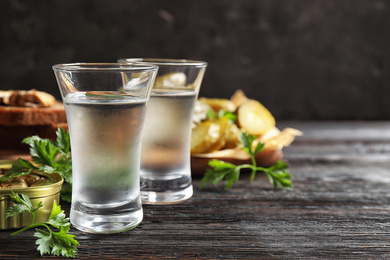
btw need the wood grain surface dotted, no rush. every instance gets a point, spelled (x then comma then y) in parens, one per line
(339, 209)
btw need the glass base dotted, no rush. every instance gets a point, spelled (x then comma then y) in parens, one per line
(106, 220)
(167, 197)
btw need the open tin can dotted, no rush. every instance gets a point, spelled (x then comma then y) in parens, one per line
(46, 193)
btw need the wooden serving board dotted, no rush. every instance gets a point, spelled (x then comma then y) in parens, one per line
(14, 155)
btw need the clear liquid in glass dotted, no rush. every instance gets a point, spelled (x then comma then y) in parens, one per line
(165, 156)
(105, 144)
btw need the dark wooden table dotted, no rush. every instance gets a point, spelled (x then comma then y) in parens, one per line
(339, 208)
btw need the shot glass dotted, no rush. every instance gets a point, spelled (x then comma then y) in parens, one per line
(166, 139)
(105, 106)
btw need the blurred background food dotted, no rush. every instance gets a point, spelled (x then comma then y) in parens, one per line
(218, 124)
(302, 59)
(25, 113)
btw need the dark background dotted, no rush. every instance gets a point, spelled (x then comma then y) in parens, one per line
(302, 59)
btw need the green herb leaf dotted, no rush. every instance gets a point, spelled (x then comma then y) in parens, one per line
(22, 203)
(66, 193)
(49, 156)
(63, 140)
(228, 115)
(220, 171)
(56, 243)
(259, 148)
(57, 217)
(48, 242)
(246, 143)
(44, 241)
(19, 168)
(210, 114)
(64, 243)
(278, 174)
(43, 151)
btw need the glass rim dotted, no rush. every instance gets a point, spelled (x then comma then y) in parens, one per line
(162, 62)
(96, 66)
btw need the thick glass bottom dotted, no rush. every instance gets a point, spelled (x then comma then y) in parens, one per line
(106, 220)
(167, 197)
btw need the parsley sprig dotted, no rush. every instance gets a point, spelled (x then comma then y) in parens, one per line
(278, 174)
(48, 156)
(222, 113)
(49, 242)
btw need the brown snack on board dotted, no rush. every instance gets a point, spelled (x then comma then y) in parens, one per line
(24, 113)
(32, 116)
(26, 98)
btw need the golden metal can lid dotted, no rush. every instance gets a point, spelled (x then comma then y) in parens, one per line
(46, 193)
